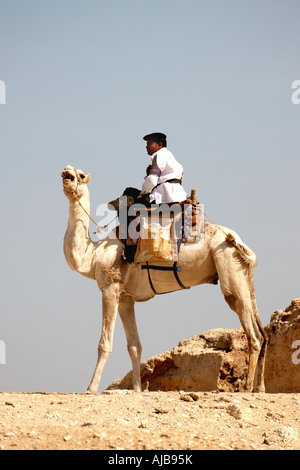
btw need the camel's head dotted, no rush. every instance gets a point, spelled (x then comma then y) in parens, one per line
(74, 182)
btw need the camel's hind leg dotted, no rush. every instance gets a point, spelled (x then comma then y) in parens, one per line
(256, 339)
(236, 280)
(127, 314)
(260, 381)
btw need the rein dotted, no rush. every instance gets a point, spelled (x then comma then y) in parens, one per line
(99, 228)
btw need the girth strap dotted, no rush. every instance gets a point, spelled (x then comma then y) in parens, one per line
(173, 268)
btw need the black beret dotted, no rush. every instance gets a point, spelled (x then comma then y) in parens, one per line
(156, 137)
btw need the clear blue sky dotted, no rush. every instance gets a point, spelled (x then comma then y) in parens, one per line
(85, 80)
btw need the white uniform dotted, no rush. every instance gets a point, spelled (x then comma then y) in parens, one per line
(164, 167)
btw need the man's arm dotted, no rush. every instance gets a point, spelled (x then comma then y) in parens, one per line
(151, 180)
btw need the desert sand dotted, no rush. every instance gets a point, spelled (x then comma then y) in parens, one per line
(125, 420)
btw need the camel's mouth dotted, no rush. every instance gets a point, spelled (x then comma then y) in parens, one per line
(67, 176)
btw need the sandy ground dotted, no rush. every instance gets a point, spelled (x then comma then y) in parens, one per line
(125, 420)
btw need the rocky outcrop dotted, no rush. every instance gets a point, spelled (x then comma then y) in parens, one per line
(283, 359)
(218, 360)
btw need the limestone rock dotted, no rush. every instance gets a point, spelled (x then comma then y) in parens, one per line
(283, 358)
(216, 359)
(151, 370)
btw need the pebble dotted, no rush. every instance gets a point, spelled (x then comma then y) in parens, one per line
(186, 397)
(143, 424)
(160, 411)
(287, 432)
(234, 411)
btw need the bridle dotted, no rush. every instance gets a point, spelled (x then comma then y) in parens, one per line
(99, 227)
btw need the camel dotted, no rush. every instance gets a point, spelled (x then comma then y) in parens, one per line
(222, 257)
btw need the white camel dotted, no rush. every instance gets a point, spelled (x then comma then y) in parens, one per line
(122, 284)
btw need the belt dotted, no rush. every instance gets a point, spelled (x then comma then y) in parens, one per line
(174, 180)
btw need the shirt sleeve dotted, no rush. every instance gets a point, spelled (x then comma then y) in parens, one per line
(149, 183)
(152, 179)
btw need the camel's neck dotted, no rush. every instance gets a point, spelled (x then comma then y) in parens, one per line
(78, 247)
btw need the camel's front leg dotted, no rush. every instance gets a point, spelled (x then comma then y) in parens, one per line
(109, 313)
(127, 314)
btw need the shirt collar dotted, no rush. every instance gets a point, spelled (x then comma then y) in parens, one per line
(156, 153)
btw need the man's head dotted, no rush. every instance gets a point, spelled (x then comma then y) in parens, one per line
(155, 142)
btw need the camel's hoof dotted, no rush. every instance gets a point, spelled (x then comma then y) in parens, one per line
(91, 392)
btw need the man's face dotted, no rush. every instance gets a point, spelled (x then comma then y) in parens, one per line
(153, 147)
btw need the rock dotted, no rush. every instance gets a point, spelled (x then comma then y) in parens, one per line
(160, 411)
(144, 424)
(282, 373)
(151, 370)
(218, 360)
(235, 411)
(194, 396)
(185, 397)
(287, 433)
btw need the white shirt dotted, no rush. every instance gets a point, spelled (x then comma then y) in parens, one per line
(164, 167)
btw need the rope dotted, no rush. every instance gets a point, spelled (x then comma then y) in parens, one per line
(215, 223)
(97, 225)
(86, 211)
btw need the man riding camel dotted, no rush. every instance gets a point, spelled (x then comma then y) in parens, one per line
(162, 184)
(163, 181)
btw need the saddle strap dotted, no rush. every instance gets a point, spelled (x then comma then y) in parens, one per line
(173, 268)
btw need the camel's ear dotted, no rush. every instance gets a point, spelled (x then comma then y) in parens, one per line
(88, 178)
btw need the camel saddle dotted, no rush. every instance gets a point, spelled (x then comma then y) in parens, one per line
(158, 231)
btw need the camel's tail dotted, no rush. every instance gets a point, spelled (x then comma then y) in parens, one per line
(245, 253)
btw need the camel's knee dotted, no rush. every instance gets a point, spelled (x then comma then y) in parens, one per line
(254, 346)
(135, 351)
(264, 346)
(257, 339)
(104, 349)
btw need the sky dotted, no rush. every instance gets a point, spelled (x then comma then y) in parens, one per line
(84, 82)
